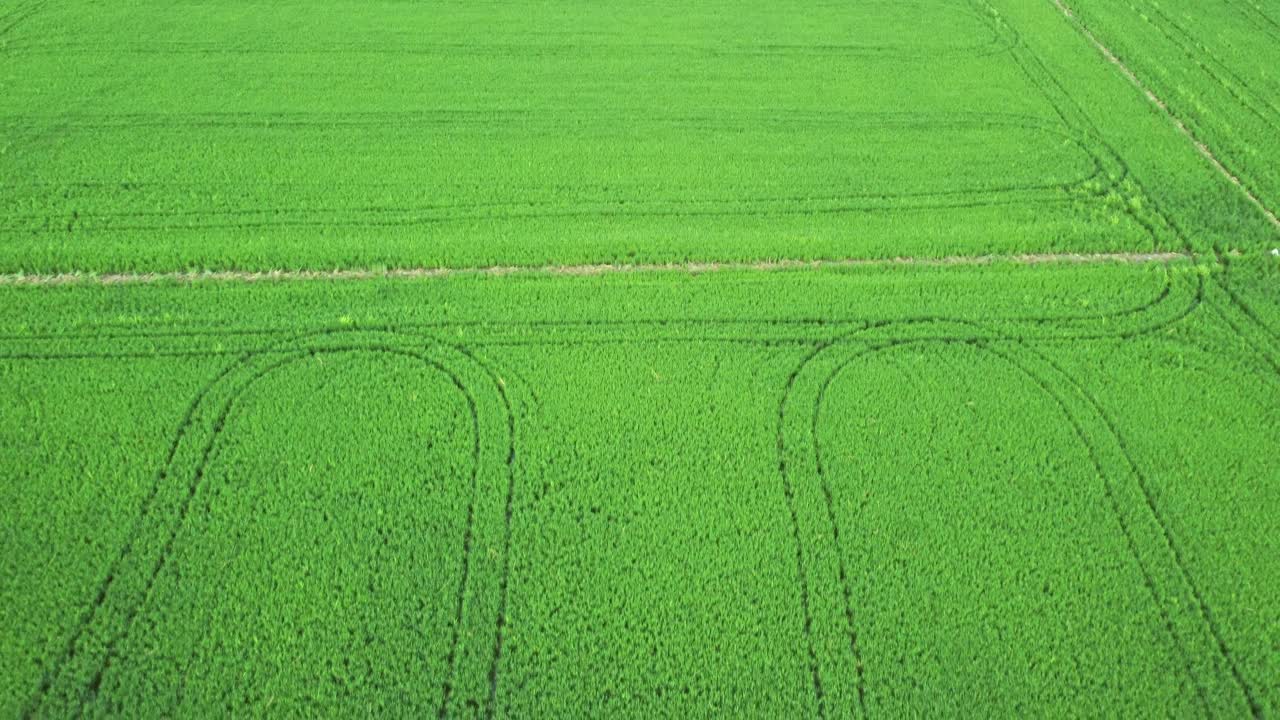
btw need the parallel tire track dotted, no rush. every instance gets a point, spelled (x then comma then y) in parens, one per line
(1073, 116)
(1093, 451)
(763, 336)
(747, 206)
(20, 14)
(1171, 544)
(788, 491)
(984, 342)
(1199, 144)
(186, 427)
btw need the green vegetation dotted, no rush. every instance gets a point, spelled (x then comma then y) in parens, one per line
(1037, 483)
(1214, 63)
(379, 134)
(644, 494)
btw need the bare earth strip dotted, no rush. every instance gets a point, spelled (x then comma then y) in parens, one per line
(1155, 100)
(599, 269)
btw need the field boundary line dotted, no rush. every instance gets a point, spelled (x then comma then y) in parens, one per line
(250, 276)
(1132, 77)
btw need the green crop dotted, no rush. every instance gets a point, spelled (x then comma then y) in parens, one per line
(912, 490)
(1213, 63)
(144, 136)
(470, 359)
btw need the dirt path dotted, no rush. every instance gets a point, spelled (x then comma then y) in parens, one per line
(598, 269)
(1164, 108)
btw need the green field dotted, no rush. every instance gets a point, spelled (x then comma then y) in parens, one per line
(1217, 63)
(154, 136)
(572, 359)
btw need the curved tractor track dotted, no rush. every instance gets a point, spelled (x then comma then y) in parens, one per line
(1186, 615)
(110, 616)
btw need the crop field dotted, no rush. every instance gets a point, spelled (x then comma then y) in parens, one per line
(1216, 64)
(569, 359)
(390, 134)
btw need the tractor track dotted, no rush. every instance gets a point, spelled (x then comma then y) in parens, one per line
(1177, 122)
(290, 351)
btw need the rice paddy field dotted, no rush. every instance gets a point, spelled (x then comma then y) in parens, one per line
(568, 359)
